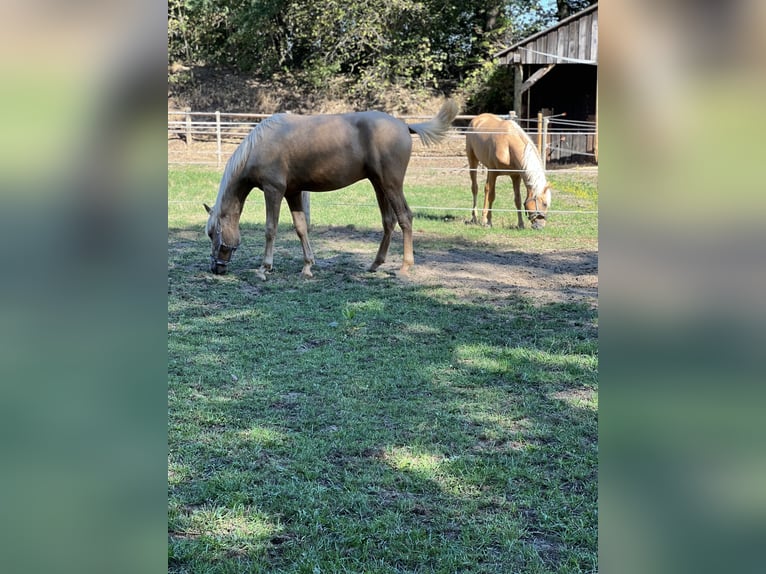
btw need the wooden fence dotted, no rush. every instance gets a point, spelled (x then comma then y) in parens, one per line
(209, 138)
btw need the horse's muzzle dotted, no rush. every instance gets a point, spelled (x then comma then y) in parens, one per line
(218, 265)
(538, 221)
(220, 260)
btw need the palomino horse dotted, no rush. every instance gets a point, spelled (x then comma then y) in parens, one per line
(288, 154)
(503, 147)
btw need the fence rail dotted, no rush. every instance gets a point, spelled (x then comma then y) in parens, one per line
(208, 138)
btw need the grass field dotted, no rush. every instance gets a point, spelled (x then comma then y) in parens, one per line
(358, 422)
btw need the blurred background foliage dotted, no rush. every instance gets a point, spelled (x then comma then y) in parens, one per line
(432, 45)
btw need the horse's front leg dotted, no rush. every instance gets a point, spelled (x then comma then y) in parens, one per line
(517, 198)
(273, 202)
(295, 202)
(489, 198)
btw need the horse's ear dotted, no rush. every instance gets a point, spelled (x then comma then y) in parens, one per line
(207, 208)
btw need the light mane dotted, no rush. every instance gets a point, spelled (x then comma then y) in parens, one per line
(534, 174)
(532, 164)
(239, 158)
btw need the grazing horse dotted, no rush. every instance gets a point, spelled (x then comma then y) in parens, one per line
(287, 154)
(503, 147)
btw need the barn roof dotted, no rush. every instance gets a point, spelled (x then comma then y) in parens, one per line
(573, 40)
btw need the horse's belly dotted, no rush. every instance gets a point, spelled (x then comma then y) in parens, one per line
(326, 185)
(327, 178)
(331, 172)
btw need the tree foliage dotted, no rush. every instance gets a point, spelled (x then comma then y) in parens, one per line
(411, 43)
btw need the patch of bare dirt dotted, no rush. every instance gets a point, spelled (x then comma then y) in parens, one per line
(559, 276)
(477, 272)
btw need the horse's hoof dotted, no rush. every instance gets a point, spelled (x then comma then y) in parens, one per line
(307, 274)
(261, 274)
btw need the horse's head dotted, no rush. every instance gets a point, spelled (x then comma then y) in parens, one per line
(537, 207)
(223, 231)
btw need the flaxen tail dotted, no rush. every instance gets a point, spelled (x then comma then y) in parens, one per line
(435, 130)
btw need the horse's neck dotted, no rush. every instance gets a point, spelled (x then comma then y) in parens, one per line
(230, 202)
(535, 183)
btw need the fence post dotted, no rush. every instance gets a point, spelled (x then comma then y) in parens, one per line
(540, 133)
(188, 129)
(218, 134)
(544, 155)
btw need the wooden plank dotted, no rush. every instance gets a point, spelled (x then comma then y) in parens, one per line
(552, 42)
(561, 44)
(542, 47)
(572, 32)
(535, 77)
(594, 38)
(583, 39)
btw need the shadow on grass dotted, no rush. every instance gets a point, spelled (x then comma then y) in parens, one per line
(358, 422)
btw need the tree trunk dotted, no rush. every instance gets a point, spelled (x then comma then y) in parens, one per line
(490, 23)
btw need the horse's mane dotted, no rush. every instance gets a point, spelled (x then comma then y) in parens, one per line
(239, 158)
(532, 163)
(534, 174)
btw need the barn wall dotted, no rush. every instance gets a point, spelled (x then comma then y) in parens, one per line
(570, 89)
(575, 39)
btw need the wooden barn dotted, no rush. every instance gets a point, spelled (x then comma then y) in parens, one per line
(556, 74)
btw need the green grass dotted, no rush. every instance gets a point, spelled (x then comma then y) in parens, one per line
(189, 187)
(357, 422)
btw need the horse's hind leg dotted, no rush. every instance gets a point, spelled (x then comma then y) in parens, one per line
(404, 217)
(389, 222)
(516, 178)
(393, 210)
(295, 202)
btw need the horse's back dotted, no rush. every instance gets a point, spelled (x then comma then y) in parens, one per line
(495, 142)
(329, 151)
(369, 128)
(386, 141)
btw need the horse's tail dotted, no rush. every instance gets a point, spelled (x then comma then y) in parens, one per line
(435, 130)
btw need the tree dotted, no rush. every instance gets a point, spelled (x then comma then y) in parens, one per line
(413, 43)
(566, 8)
